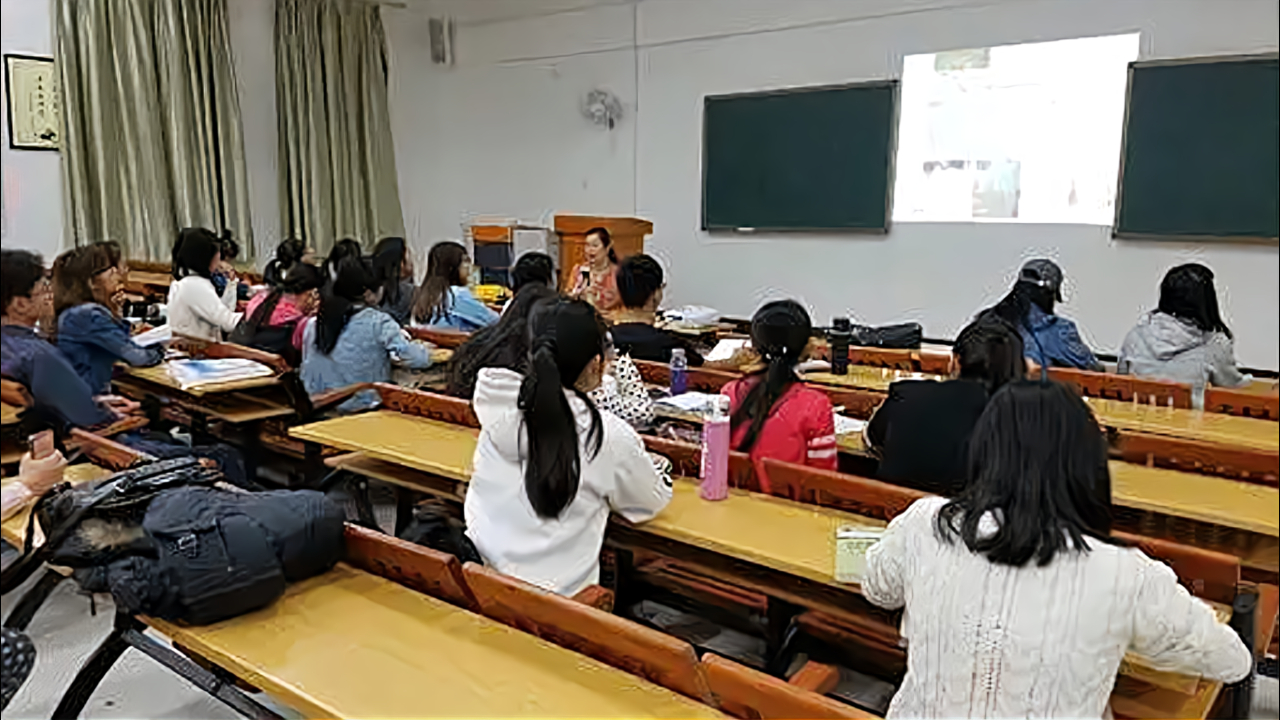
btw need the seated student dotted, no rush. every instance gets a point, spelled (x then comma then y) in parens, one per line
(274, 318)
(549, 466)
(922, 430)
(287, 253)
(594, 278)
(344, 248)
(25, 356)
(195, 307)
(532, 267)
(1018, 603)
(622, 392)
(443, 300)
(225, 274)
(351, 341)
(1048, 339)
(773, 414)
(87, 295)
(505, 344)
(393, 264)
(640, 284)
(1184, 339)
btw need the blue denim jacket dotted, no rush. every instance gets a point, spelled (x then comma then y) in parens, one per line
(362, 354)
(94, 341)
(466, 313)
(1053, 341)
(53, 382)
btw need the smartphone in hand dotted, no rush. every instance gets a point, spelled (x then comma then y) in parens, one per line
(41, 444)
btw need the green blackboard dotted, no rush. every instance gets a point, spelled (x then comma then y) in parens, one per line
(1201, 157)
(804, 159)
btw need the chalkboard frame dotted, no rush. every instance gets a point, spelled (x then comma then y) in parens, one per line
(894, 84)
(1118, 234)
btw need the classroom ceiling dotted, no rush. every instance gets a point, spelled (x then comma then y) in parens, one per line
(480, 12)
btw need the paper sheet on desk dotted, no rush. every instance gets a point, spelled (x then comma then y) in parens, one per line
(154, 336)
(725, 349)
(688, 402)
(193, 373)
(846, 425)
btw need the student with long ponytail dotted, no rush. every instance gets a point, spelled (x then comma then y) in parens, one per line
(549, 466)
(772, 413)
(275, 317)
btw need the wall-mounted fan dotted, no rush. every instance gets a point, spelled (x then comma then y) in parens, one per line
(602, 108)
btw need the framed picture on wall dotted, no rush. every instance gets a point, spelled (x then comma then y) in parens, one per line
(34, 115)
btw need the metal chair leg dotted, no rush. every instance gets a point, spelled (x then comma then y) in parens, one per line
(91, 674)
(25, 609)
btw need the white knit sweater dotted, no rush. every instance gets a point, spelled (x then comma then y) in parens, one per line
(986, 640)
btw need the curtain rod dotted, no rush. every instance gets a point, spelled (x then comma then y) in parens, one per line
(385, 3)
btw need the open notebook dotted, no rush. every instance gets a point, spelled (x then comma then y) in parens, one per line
(194, 373)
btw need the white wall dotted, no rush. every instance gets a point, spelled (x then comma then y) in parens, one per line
(500, 134)
(32, 187)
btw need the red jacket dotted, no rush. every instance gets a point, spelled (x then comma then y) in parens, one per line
(800, 428)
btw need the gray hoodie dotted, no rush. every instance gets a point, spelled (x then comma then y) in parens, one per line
(1163, 347)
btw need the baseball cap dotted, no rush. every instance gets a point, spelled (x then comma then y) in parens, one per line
(1045, 273)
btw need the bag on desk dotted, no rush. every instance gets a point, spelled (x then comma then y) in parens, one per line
(221, 554)
(905, 336)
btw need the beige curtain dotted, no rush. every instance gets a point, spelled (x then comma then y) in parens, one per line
(337, 161)
(152, 137)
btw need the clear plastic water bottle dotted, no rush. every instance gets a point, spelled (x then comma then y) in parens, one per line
(715, 450)
(679, 372)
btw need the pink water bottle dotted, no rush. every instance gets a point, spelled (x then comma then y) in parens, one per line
(715, 450)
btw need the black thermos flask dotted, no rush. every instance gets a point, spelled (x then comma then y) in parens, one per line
(840, 336)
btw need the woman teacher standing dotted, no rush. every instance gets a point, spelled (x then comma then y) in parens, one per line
(595, 279)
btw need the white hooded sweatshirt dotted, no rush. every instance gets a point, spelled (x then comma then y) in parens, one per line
(560, 554)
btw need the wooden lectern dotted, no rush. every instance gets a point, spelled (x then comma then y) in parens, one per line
(628, 239)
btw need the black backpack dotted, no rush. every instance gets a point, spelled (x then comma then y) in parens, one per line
(277, 339)
(219, 554)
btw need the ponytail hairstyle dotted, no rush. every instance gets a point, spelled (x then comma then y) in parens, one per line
(388, 260)
(780, 333)
(287, 253)
(299, 278)
(343, 297)
(606, 240)
(342, 249)
(444, 270)
(1187, 293)
(989, 350)
(564, 337)
(504, 344)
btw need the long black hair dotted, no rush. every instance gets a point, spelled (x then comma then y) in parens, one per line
(1013, 308)
(444, 270)
(564, 336)
(194, 251)
(388, 261)
(287, 253)
(342, 249)
(989, 350)
(299, 278)
(606, 240)
(1038, 464)
(504, 344)
(341, 298)
(779, 332)
(1187, 293)
(532, 267)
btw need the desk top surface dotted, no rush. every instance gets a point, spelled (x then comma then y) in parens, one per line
(348, 644)
(14, 529)
(1220, 501)
(159, 375)
(431, 446)
(8, 413)
(1217, 428)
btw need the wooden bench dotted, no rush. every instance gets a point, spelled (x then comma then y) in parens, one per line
(1197, 456)
(746, 693)
(1124, 387)
(451, 339)
(1239, 402)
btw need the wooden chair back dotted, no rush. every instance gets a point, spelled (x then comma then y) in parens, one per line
(895, 359)
(747, 693)
(1124, 387)
(686, 461)
(421, 403)
(440, 338)
(857, 403)
(704, 380)
(863, 496)
(1238, 402)
(935, 362)
(1251, 465)
(1206, 574)
(1162, 391)
(613, 640)
(103, 451)
(420, 568)
(215, 350)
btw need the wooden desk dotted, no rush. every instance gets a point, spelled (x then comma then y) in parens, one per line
(427, 445)
(864, 377)
(1227, 430)
(8, 414)
(14, 529)
(159, 375)
(1220, 501)
(349, 644)
(1261, 387)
